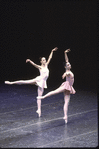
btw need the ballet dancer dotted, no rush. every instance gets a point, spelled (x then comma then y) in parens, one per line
(66, 87)
(40, 81)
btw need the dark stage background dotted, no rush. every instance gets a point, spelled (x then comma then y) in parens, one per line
(31, 29)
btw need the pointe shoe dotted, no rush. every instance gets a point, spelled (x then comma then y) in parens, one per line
(39, 97)
(65, 118)
(65, 121)
(7, 82)
(39, 113)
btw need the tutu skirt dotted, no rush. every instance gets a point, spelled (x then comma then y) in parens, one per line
(66, 86)
(40, 82)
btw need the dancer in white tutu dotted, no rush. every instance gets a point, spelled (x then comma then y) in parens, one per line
(40, 81)
(66, 87)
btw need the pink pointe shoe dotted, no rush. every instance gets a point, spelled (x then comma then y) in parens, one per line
(65, 118)
(39, 97)
(39, 113)
(7, 82)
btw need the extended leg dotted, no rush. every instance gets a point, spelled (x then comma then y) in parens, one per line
(40, 92)
(32, 81)
(58, 90)
(66, 100)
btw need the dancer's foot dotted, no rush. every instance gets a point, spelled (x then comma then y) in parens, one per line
(39, 113)
(65, 118)
(39, 97)
(7, 82)
(66, 121)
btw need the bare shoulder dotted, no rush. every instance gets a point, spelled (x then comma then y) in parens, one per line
(69, 73)
(40, 67)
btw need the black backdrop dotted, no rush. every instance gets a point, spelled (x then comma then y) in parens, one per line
(30, 29)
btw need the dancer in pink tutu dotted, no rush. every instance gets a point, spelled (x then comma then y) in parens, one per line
(66, 87)
(40, 81)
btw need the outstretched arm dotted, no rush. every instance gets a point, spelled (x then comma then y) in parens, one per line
(66, 57)
(35, 65)
(51, 54)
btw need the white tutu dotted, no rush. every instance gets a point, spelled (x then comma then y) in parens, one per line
(41, 80)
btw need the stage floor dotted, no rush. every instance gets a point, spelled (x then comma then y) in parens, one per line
(21, 127)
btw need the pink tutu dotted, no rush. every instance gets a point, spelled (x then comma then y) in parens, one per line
(66, 85)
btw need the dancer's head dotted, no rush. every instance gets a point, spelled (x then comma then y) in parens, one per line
(43, 60)
(68, 66)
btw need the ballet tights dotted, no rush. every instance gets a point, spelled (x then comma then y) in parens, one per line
(66, 102)
(40, 92)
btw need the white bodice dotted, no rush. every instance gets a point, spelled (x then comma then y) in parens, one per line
(44, 72)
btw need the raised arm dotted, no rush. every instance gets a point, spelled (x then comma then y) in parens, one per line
(51, 54)
(66, 57)
(35, 65)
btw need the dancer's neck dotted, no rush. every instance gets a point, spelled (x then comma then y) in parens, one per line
(43, 65)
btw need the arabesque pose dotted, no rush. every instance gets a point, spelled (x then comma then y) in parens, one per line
(40, 81)
(66, 87)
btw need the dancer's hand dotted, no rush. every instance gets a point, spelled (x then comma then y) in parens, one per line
(54, 49)
(28, 60)
(64, 75)
(66, 51)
